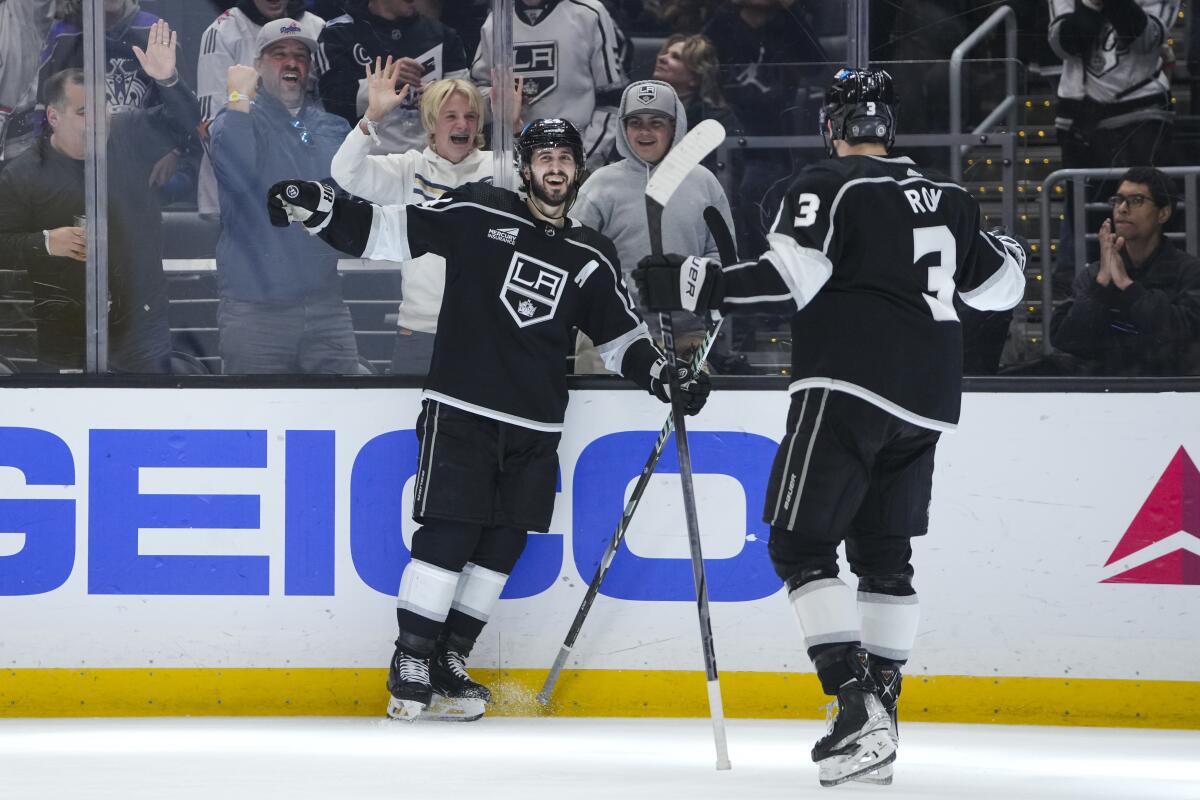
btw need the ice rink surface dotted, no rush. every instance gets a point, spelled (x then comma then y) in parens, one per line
(534, 759)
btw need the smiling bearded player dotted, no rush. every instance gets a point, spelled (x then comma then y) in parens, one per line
(520, 276)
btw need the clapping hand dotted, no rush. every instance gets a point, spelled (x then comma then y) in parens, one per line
(382, 97)
(1112, 266)
(158, 59)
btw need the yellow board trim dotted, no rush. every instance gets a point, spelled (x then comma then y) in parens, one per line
(590, 693)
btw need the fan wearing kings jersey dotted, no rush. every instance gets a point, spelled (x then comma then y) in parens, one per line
(520, 276)
(866, 253)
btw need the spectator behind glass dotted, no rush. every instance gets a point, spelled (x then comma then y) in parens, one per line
(23, 28)
(1114, 107)
(281, 308)
(230, 40)
(612, 200)
(689, 64)
(425, 50)
(757, 41)
(451, 113)
(129, 87)
(41, 195)
(1136, 311)
(569, 56)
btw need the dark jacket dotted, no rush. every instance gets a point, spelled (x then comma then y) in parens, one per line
(359, 35)
(1151, 328)
(43, 190)
(256, 261)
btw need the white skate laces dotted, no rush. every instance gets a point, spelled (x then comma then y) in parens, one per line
(413, 670)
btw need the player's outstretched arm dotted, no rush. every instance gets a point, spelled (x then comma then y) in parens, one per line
(352, 226)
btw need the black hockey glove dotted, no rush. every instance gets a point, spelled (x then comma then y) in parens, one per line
(309, 202)
(693, 388)
(679, 283)
(1014, 243)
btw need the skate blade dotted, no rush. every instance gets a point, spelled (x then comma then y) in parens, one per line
(404, 710)
(870, 753)
(879, 777)
(453, 709)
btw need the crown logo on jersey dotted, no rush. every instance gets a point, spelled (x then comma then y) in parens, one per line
(1160, 546)
(526, 309)
(646, 93)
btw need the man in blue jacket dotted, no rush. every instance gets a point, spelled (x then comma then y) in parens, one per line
(281, 308)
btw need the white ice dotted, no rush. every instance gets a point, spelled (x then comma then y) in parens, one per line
(535, 759)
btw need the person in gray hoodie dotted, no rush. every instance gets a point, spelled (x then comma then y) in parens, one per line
(612, 201)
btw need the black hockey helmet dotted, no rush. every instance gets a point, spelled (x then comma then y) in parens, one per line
(549, 133)
(861, 105)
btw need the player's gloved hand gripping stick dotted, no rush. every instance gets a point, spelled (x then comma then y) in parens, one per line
(724, 239)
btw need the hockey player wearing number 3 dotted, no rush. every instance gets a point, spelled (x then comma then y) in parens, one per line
(520, 276)
(866, 253)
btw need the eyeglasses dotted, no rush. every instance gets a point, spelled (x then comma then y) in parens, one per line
(1131, 200)
(305, 135)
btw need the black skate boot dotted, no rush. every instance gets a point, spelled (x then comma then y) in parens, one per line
(409, 686)
(456, 698)
(450, 678)
(887, 677)
(857, 741)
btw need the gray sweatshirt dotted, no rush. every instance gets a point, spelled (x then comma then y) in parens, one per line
(613, 202)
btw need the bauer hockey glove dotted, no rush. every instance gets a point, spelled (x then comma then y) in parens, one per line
(1014, 243)
(693, 388)
(309, 202)
(679, 283)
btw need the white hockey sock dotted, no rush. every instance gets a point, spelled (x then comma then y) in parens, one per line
(826, 612)
(889, 624)
(478, 591)
(426, 590)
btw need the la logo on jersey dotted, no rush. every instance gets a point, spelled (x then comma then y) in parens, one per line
(537, 63)
(1162, 544)
(532, 289)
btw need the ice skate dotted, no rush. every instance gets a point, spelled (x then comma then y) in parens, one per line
(887, 679)
(858, 741)
(456, 696)
(409, 687)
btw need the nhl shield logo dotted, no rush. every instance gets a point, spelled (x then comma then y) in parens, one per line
(646, 94)
(531, 290)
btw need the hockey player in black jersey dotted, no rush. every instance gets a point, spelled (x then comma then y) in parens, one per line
(866, 253)
(520, 276)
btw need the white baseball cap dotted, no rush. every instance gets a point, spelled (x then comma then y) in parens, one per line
(279, 30)
(648, 97)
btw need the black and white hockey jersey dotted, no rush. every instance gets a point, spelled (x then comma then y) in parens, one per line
(1112, 58)
(357, 38)
(515, 288)
(868, 252)
(569, 56)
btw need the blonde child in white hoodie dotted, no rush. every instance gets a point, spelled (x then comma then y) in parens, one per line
(452, 114)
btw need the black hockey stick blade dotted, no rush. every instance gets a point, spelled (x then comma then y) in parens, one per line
(721, 235)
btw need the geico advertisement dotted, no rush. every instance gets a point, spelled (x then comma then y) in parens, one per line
(270, 528)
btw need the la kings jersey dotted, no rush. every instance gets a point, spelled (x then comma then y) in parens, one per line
(515, 287)
(357, 38)
(868, 253)
(1117, 68)
(567, 56)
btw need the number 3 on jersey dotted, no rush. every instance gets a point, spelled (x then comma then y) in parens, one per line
(938, 240)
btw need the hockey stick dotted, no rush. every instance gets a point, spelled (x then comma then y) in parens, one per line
(724, 240)
(669, 174)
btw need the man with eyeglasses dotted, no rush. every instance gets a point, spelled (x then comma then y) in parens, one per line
(1136, 311)
(281, 307)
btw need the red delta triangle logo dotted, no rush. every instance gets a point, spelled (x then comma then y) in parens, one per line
(1164, 537)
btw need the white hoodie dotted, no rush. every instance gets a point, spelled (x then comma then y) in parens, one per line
(398, 179)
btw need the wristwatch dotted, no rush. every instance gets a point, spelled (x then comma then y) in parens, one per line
(236, 97)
